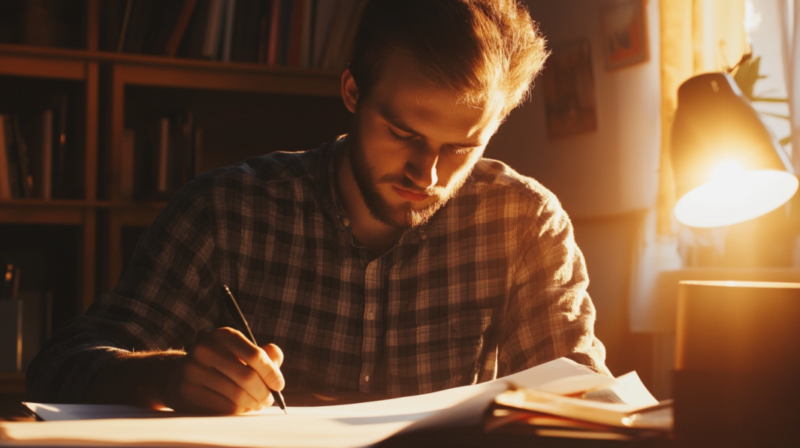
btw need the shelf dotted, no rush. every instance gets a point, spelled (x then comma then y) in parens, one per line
(22, 60)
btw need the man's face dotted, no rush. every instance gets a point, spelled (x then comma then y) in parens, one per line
(414, 144)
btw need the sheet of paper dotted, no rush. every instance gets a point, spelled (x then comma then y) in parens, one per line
(353, 425)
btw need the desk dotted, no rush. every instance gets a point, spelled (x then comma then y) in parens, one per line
(468, 437)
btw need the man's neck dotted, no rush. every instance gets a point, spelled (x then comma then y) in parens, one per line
(375, 235)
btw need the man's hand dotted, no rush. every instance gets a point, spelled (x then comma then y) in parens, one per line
(222, 374)
(225, 373)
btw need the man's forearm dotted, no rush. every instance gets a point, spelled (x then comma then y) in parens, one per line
(136, 378)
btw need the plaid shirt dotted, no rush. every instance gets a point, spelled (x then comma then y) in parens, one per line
(494, 283)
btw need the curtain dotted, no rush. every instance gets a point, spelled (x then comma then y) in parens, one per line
(789, 12)
(696, 36)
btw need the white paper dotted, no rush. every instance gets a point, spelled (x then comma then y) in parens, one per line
(353, 425)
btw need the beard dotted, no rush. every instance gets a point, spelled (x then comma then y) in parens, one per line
(404, 215)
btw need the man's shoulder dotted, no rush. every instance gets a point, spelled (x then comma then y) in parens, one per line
(493, 176)
(275, 166)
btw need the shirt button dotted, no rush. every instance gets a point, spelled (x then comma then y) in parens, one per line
(371, 315)
(366, 378)
(346, 222)
(423, 236)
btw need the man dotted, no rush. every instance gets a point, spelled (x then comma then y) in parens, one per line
(394, 260)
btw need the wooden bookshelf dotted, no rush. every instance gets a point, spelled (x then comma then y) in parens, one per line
(255, 107)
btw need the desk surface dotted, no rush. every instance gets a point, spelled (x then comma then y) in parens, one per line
(468, 437)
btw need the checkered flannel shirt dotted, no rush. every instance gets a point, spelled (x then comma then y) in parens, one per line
(493, 284)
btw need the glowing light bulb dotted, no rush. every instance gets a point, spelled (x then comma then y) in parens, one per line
(736, 198)
(727, 169)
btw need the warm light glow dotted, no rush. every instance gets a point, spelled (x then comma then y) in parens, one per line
(726, 170)
(735, 198)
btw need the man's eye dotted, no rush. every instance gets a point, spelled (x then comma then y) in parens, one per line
(462, 151)
(401, 137)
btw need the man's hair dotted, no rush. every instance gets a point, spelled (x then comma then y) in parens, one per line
(478, 48)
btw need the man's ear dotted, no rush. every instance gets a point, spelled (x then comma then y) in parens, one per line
(349, 91)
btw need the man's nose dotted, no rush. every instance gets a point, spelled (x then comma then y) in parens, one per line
(422, 168)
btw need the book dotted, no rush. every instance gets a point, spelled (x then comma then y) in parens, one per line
(193, 43)
(273, 47)
(179, 30)
(59, 107)
(295, 34)
(12, 162)
(136, 29)
(213, 34)
(227, 30)
(336, 33)
(23, 160)
(246, 26)
(128, 166)
(307, 32)
(37, 130)
(285, 31)
(323, 16)
(5, 174)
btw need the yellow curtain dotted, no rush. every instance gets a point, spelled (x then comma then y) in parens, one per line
(697, 36)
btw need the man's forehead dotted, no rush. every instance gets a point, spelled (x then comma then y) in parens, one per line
(403, 94)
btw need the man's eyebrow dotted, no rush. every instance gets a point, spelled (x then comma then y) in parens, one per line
(388, 114)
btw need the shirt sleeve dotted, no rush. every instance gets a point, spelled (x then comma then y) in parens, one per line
(163, 301)
(548, 314)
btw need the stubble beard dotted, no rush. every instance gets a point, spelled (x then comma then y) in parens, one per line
(404, 215)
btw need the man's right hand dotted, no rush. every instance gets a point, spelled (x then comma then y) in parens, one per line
(224, 373)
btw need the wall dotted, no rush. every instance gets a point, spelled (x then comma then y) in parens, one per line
(604, 179)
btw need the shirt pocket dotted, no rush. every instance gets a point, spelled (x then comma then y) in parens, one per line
(466, 333)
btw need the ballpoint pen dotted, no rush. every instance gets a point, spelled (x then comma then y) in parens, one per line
(237, 315)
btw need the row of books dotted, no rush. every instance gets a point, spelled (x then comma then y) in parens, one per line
(25, 321)
(164, 157)
(46, 23)
(32, 152)
(294, 33)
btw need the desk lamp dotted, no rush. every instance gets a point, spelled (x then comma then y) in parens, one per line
(728, 167)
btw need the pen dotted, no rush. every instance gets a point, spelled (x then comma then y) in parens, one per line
(237, 315)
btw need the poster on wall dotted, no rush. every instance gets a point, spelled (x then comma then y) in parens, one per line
(569, 96)
(625, 34)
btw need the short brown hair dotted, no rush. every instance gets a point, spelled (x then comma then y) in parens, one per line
(476, 47)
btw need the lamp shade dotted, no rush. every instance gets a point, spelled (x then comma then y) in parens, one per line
(728, 167)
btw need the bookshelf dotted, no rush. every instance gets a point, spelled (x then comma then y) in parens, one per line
(86, 232)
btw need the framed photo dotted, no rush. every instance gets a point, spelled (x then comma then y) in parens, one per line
(569, 96)
(625, 33)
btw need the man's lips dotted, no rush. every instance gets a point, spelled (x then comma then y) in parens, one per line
(410, 196)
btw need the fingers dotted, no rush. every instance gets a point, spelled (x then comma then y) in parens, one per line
(255, 357)
(245, 395)
(225, 373)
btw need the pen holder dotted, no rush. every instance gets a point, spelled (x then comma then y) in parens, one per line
(10, 335)
(736, 364)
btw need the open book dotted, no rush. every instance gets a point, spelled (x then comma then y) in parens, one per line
(353, 425)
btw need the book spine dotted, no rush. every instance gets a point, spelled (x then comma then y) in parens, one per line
(213, 29)
(46, 156)
(295, 43)
(11, 153)
(287, 8)
(23, 161)
(274, 32)
(180, 28)
(127, 160)
(163, 157)
(323, 16)
(227, 35)
(5, 184)
(307, 30)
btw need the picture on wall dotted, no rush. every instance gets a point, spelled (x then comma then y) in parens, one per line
(569, 96)
(625, 34)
